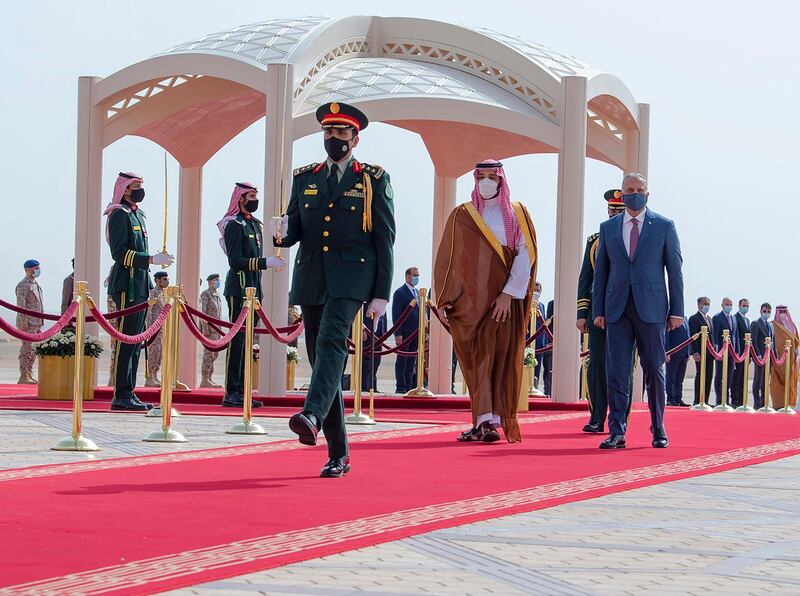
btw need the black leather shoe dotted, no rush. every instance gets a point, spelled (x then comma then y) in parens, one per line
(336, 467)
(235, 400)
(135, 399)
(660, 440)
(613, 442)
(305, 425)
(129, 405)
(593, 427)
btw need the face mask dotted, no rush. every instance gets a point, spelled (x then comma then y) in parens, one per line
(635, 201)
(37, 272)
(743, 310)
(336, 148)
(487, 188)
(415, 280)
(727, 309)
(765, 316)
(216, 284)
(537, 295)
(137, 196)
(705, 308)
(251, 205)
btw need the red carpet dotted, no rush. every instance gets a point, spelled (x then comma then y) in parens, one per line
(146, 524)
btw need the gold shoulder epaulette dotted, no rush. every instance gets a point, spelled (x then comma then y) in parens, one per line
(305, 169)
(374, 171)
(593, 237)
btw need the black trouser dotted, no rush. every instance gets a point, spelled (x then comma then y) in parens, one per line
(709, 379)
(758, 386)
(404, 368)
(718, 381)
(324, 398)
(312, 317)
(676, 371)
(234, 365)
(596, 376)
(737, 391)
(547, 372)
(127, 364)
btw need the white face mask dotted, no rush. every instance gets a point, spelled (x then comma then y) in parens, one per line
(487, 188)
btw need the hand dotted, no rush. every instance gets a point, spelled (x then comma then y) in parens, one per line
(600, 322)
(501, 308)
(377, 307)
(668, 358)
(276, 263)
(696, 357)
(162, 258)
(398, 339)
(674, 323)
(279, 226)
(582, 326)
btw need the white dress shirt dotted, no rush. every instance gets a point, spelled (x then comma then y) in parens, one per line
(627, 228)
(518, 279)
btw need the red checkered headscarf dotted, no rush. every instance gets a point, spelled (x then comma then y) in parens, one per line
(124, 180)
(239, 189)
(504, 199)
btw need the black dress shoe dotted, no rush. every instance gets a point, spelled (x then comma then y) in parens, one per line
(613, 442)
(660, 440)
(135, 399)
(305, 425)
(234, 400)
(128, 405)
(336, 467)
(593, 427)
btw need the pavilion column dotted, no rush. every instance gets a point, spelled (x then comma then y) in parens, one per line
(188, 259)
(440, 367)
(89, 224)
(569, 240)
(277, 183)
(644, 139)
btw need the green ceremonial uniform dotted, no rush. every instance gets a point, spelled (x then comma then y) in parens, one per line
(129, 284)
(243, 245)
(340, 264)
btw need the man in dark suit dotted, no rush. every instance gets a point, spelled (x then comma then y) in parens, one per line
(759, 331)
(547, 357)
(405, 366)
(696, 321)
(676, 364)
(366, 364)
(542, 340)
(742, 327)
(721, 321)
(630, 298)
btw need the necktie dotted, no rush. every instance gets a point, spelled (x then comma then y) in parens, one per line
(333, 180)
(634, 238)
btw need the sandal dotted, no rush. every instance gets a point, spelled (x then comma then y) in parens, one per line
(468, 436)
(487, 433)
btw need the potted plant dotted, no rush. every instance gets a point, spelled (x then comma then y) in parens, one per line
(529, 362)
(292, 358)
(57, 365)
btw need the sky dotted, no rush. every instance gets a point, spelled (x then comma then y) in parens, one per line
(721, 79)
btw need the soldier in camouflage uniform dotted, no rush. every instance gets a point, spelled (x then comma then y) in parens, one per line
(29, 296)
(157, 301)
(210, 304)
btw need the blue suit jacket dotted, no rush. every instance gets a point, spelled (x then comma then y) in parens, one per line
(617, 275)
(720, 322)
(400, 299)
(676, 337)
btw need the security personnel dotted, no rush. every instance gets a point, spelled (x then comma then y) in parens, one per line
(211, 305)
(29, 296)
(129, 282)
(596, 373)
(242, 241)
(342, 215)
(157, 300)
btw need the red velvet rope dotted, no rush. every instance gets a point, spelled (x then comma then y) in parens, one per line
(215, 345)
(535, 336)
(389, 350)
(542, 350)
(382, 339)
(217, 323)
(775, 360)
(278, 333)
(131, 339)
(682, 345)
(714, 354)
(48, 317)
(736, 357)
(59, 325)
(760, 361)
(439, 316)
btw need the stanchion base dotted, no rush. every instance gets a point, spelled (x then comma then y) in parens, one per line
(358, 418)
(419, 392)
(766, 410)
(746, 409)
(787, 410)
(703, 407)
(156, 412)
(246, 428)
(724, 408)
(79, 444)
(165, 436)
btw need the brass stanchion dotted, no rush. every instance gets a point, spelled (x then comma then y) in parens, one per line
(724, 406)
(247, 426)
(76, 441)
(703, 355)
(179, 386)
(787, 408)
(767, 408)
(168, 366)
(358, 417)
(585, 369)
(372, 379)
(533, 390)
(420, 390)
(166, 346)
(745, 407)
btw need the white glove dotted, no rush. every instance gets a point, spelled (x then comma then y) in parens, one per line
(279, 226)
(275, 263)
(162, 258)
(377, 307)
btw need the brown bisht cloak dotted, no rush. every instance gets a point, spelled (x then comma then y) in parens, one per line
(777, 382)
(471, 270)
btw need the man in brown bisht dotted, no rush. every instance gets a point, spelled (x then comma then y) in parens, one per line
(483, 282)
(785, 329)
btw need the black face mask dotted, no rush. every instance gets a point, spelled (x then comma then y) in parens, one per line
(137, 195)
(336, 148)
(251, 205)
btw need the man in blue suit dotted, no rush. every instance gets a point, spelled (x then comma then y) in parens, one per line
(676, 364)
(760, 330)
(721, 321)
(404, 366)
(630, 301)
(742, 328)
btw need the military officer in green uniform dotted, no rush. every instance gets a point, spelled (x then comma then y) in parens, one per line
(129, 282)
(341, 214)
(596, 373)
(242, 239)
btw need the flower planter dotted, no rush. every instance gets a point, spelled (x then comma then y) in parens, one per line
(290, 370)
(527, 379)
(57, 374)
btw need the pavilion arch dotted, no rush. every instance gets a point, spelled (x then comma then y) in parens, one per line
(452, 85)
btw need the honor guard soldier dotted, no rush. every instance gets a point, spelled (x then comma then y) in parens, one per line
(242, 241)
(211, 305)
(341, 214)
(29, 296)
(596, 373)
(129, 282)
